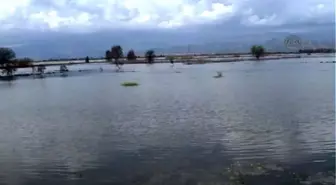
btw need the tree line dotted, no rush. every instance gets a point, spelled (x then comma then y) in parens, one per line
(9, 63)
(116, 53)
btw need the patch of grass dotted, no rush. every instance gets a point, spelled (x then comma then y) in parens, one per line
(129, 84)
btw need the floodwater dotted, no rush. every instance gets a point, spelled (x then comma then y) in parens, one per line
(269, 122)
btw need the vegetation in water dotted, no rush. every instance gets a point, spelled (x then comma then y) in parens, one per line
(150, 55)
(129, 84)
(131, 55)
(108, 55)
(87, 59)
(171, 59)
(257, 51)
(24, 62)
(9, 63)
(116, 54)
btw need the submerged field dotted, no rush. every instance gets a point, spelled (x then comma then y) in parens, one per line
(269, 122)
(204, 58)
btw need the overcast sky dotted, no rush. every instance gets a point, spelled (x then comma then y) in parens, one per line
(55, 28)
(92, 15)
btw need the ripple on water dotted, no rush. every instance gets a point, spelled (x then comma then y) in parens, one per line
(173, 129)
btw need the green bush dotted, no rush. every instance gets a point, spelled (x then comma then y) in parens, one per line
(257, 51)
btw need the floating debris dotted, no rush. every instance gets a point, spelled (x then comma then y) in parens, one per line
(63, 68)
(219, 75)
(64, 75)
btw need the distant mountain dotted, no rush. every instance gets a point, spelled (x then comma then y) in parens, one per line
(271, 43)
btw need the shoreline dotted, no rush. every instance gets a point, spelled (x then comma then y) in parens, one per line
(196, 55)
(191, 59)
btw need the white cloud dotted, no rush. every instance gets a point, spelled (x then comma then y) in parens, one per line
(102, 14)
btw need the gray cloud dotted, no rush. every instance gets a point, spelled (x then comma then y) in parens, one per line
(92, 15)
(55, 28)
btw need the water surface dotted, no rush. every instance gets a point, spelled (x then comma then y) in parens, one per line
(269, 122)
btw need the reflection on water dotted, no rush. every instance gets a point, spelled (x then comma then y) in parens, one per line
(261, 123)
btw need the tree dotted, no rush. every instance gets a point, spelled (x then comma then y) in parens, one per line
(150, 55)
(257, 51)
(87, 60)
(116, 54)
(108, 55)
(131, 55)
(9, 68)
(7, 63)
(6, 55)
